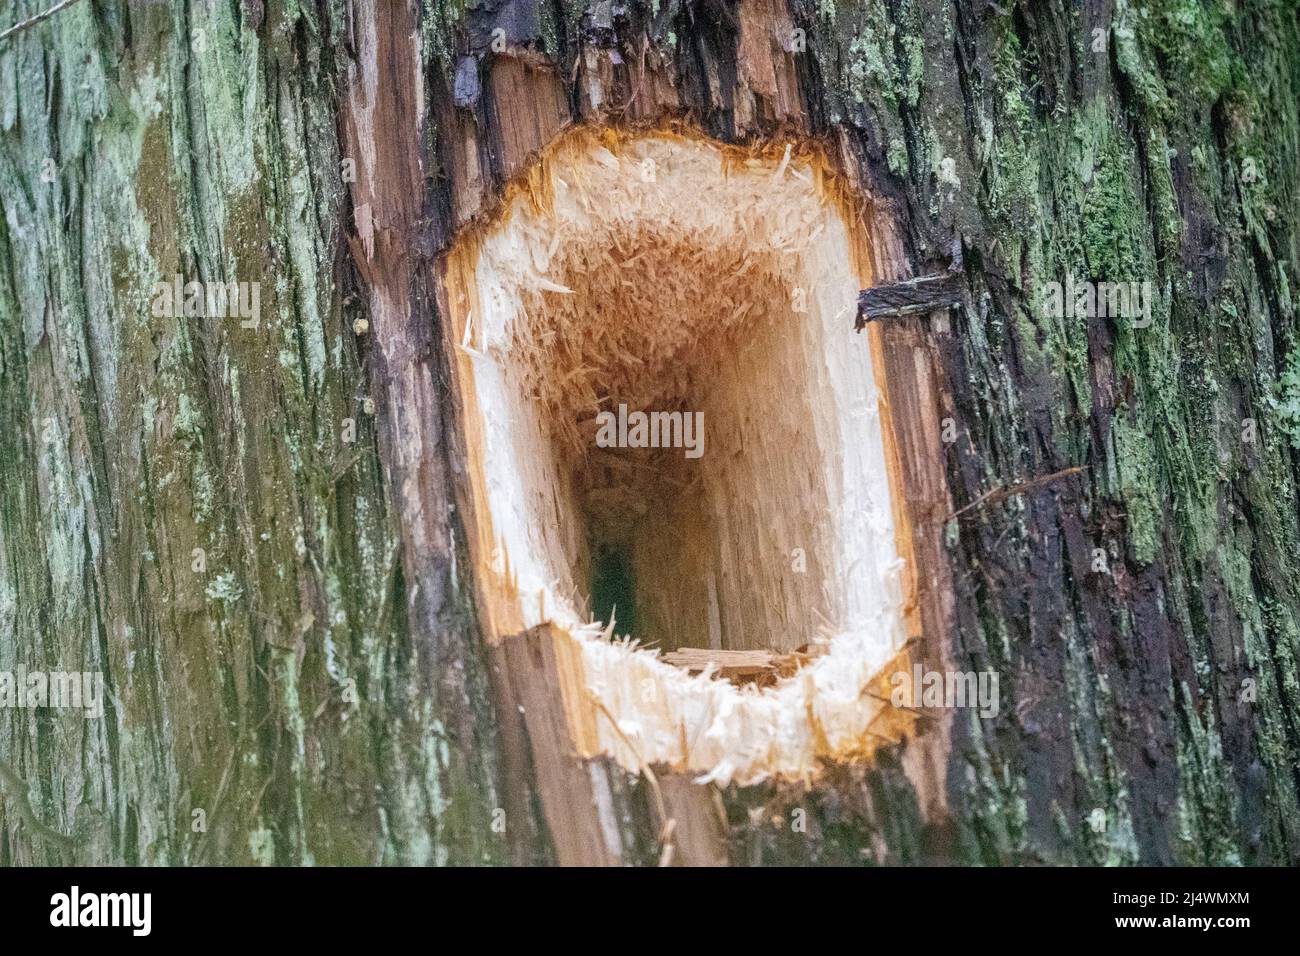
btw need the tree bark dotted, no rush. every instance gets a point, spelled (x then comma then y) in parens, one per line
(1114, 528)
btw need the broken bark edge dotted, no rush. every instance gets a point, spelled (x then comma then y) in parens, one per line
(896, 300)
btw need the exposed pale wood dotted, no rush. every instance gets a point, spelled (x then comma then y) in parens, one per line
(732, 273)
(699, 824)
(907, 365)
(571, 802)
(587, 801)
(740, 666)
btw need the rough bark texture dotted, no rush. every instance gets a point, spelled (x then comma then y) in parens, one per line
(1112, 141)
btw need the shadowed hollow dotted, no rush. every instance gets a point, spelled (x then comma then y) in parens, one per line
(668, 274)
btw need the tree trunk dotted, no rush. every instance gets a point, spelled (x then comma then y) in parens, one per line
(261, 534)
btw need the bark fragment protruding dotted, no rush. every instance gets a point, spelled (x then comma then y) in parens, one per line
(910, 297)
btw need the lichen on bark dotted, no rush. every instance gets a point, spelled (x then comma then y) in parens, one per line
(304, 693)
